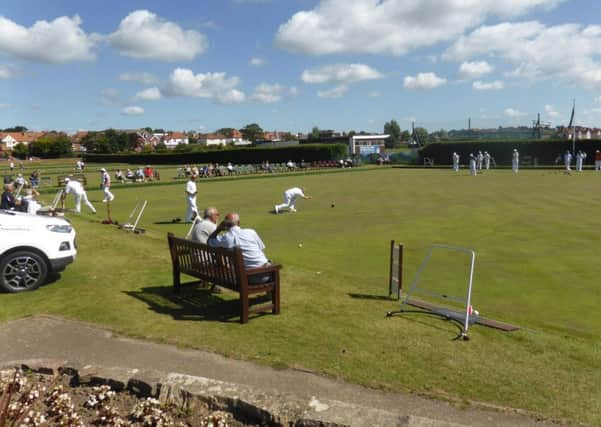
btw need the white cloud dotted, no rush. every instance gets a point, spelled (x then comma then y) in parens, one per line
(564, 52)
(215, 86)
(342, 74)
(58, 41)
(110, 96)
(257, 62)
(267, 93)
(150, 94)
(5, 72)
(495, 85)
(293, 91)
(513, 113)
(393, 27)
(141, 77)
(474, 70)
(550, 111)
(335, 92)
(424, 81)
(3, 106)
(144, 35)
(133, 110)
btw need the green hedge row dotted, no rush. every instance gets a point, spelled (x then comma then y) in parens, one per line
(544, 151)
(297, 153)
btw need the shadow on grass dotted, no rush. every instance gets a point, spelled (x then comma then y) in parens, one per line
(192, 303)
(371, 297)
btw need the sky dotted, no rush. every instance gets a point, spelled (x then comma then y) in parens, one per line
(293, 64)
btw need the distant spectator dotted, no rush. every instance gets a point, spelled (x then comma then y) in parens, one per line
(19, 180)
(230, 168)
(11, 165)
(8, 201)
(290, 165)
(148, 173)
(119, 176)
(206, 226)
(130, 175)
(29, 203)
(140, 174)
(34, 179)
(598, 160)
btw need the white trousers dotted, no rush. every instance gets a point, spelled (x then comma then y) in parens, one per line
(108, 196)
(598, 165)
(515, 166)
(289, 202)
(568, 166)
(192, 209)
(456, 167)
(579, 165)
(78, 200)
(487, 164)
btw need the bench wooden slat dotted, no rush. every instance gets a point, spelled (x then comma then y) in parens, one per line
(223, 267)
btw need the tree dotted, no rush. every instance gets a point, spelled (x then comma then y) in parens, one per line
(252, 132)
(393, 129)
(20, 151)
(287, 136)
(405, 136)
(16, 129)
(314, 134)
(160, 146)
(51, 145)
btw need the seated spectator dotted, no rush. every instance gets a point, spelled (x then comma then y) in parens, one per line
(228, 234)
(140, 175)
(148, 173)
(230, 168)
(210, 169)
(29, 203)
(130, 175)
(19, 180)
(188, 170)
(206, 226)
(290, 165)
(119, 176)
(8, 200)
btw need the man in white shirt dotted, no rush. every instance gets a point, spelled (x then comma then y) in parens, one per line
(206, 226)
(479, 160)
(228, 234)
(455, 162)
(105, 183)
(191, 192)
(486, 160)
(290, 196)
(515, 161)
(75, 188)
(567, 161)
(473, 167)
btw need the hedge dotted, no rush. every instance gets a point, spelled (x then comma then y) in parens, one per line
(297, 153)
(545, 152)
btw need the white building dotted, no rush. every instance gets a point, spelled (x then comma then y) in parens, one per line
(367, 144)
(173, 139)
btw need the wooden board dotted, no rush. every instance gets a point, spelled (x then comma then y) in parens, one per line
(507, 327)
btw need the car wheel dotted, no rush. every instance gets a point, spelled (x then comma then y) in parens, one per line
(22, 271)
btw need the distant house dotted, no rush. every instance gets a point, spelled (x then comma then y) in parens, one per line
(173, 139)
(76, 141)
(209, 139)
(9, 140)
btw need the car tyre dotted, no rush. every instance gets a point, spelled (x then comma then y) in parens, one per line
(22, 271)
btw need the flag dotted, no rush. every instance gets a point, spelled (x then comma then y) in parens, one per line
(572, 117)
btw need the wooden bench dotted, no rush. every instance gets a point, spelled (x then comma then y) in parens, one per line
(60, 180)
(224, 267)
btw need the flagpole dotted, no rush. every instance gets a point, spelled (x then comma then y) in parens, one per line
(574, 127)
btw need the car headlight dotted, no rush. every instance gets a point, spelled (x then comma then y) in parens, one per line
(59, 228)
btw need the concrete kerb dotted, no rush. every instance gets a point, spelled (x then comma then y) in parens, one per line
(247, 404)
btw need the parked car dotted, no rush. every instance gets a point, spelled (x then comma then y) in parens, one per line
(31, 248)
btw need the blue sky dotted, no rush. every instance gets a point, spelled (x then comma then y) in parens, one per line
(294, 64)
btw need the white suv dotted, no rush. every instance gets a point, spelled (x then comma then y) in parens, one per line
(31, 247)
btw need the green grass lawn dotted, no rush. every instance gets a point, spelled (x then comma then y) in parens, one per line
(536, 237)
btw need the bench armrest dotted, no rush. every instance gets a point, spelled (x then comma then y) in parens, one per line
(262, 270)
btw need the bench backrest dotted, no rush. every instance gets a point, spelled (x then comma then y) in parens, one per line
(216, 265)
